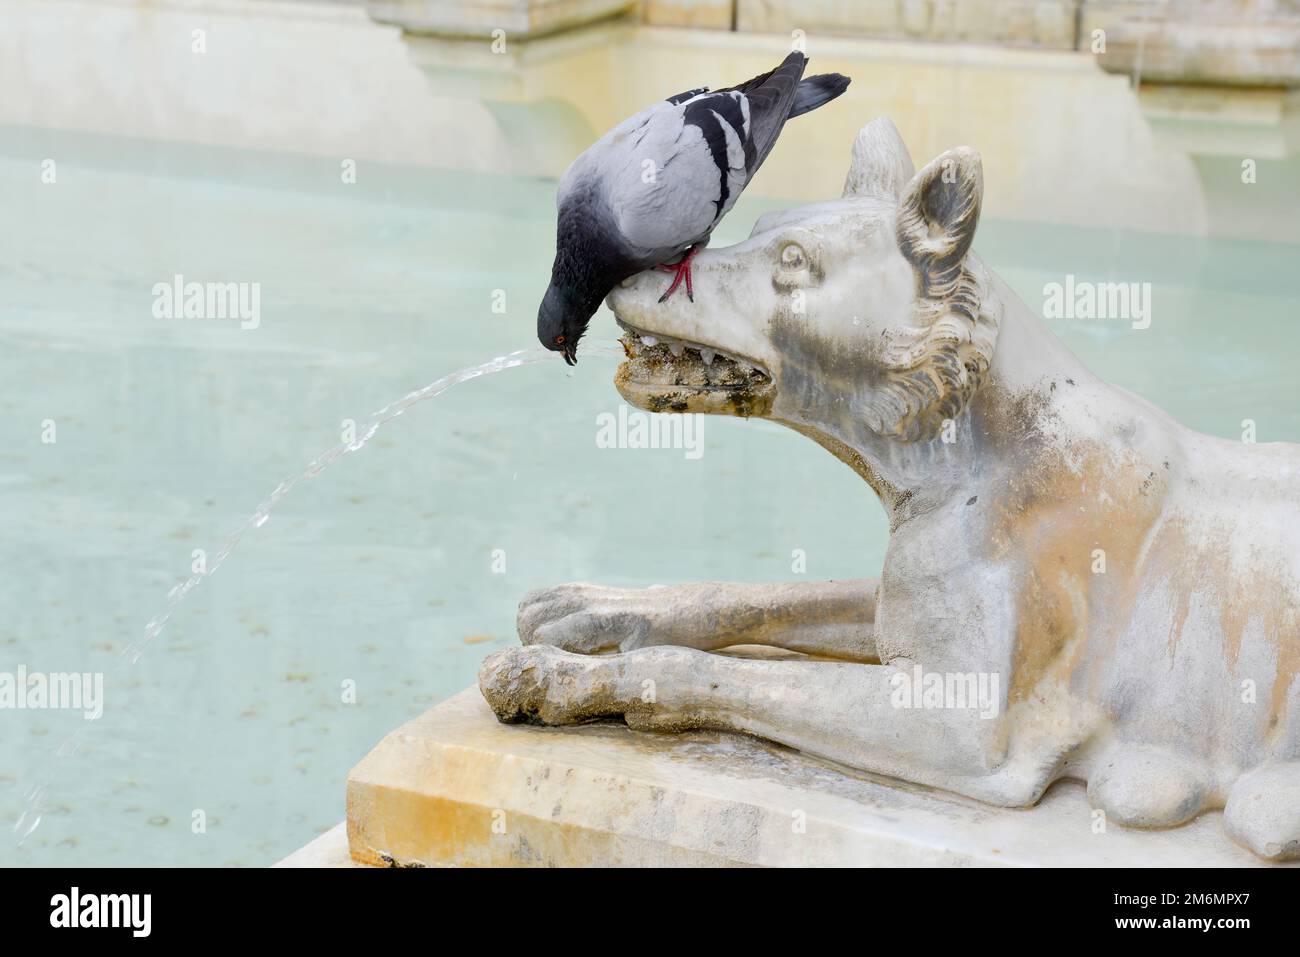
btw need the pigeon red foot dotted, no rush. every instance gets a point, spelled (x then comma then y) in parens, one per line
(681, 270)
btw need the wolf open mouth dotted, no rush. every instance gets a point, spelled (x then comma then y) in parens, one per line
(663, 374)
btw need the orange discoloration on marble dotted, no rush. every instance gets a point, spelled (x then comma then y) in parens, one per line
(1254, 591)
(1055, 516)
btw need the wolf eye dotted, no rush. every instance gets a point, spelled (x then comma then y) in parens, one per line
(792, 256)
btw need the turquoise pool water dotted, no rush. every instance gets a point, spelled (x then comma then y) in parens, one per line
(399, 568)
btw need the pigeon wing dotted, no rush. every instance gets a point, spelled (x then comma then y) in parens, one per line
(689, 94)
(771, 97)
(684, 172)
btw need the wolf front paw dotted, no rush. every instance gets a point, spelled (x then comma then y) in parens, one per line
(538, 684)
(587, 619)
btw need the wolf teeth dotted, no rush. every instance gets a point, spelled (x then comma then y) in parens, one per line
(641, 341)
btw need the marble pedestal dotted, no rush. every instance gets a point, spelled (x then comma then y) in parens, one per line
(455, 788)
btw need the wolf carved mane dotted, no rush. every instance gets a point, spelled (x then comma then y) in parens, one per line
(936, 364)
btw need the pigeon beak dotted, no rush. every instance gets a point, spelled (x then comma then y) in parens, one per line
(570, 354)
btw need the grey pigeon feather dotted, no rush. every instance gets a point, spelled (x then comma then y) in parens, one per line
(656, 186)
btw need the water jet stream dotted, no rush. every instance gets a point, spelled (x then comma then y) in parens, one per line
(34, 809)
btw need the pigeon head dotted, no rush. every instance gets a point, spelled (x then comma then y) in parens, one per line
(583, 274)
(562, 319)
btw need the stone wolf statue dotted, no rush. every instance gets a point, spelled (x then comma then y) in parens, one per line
(1126, 590)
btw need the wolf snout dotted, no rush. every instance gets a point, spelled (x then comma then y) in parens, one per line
(636, 293)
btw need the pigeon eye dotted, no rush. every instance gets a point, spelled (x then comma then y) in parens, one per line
(793, 256)
(559, 340)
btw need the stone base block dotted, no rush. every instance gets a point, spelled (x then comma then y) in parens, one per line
(329, 850)
(455, 788)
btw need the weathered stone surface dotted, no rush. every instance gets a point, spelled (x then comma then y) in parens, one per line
(1100, 14)
(601, 794)
(520, 19)
(702, 14)
(1253, 43)
(1040, 23)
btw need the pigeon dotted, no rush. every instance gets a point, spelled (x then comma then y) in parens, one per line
(654, 187)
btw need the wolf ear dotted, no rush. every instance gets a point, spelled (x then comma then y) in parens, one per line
(881, 165)
(938, 213)
(939, 359)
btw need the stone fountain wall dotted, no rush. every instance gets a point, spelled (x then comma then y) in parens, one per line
(1216, 42)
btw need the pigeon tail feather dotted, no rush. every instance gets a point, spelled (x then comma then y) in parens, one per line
(771, 96)
(817, 91)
